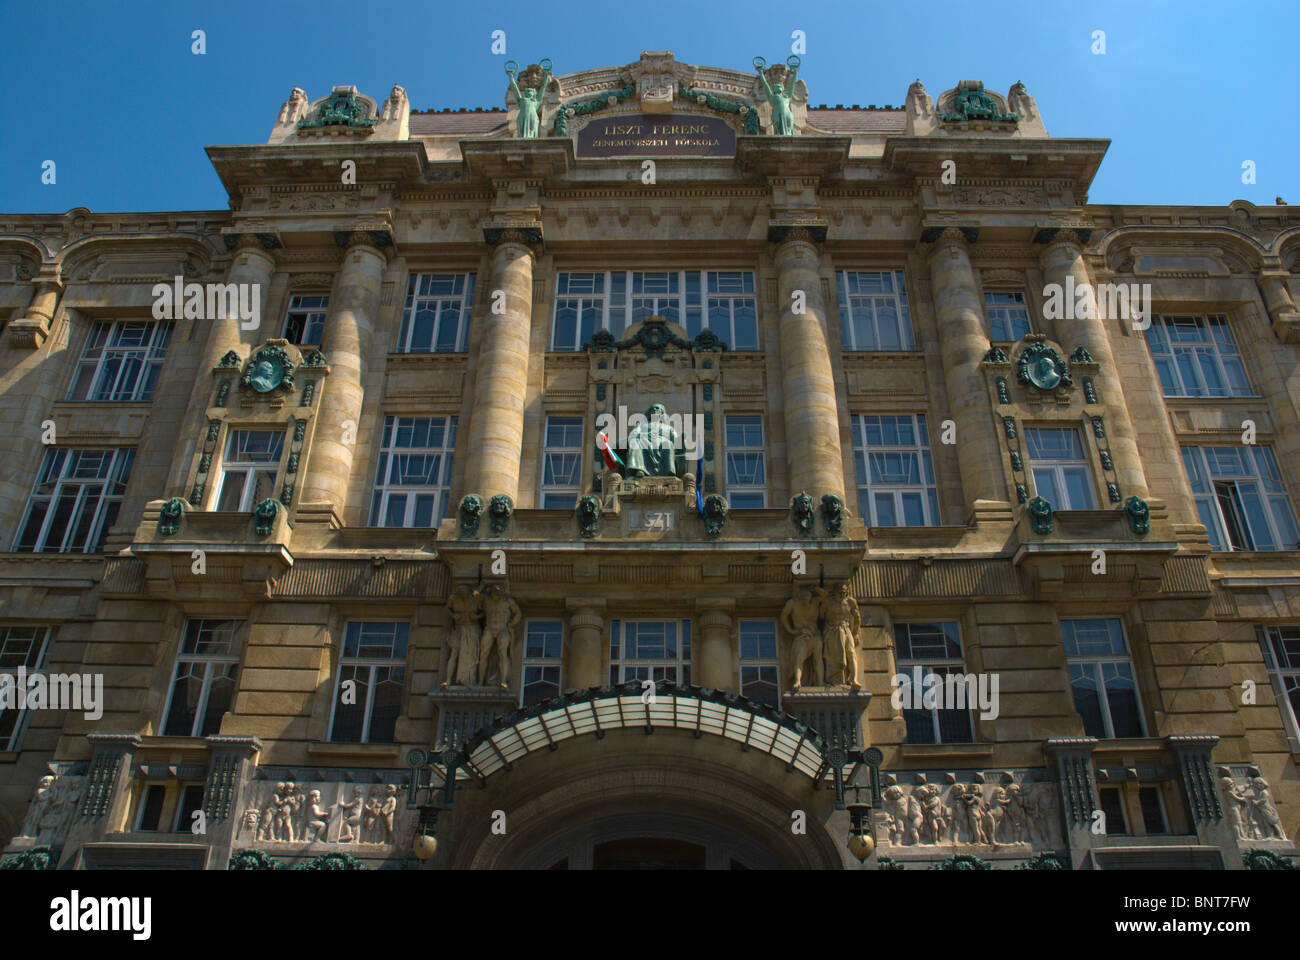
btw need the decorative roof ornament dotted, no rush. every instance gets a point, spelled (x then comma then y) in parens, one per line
(341, 109)
(971, 102)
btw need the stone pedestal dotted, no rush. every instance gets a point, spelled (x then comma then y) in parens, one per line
(834, 712)
(464, 711)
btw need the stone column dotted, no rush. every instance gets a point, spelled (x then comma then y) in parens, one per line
(496, 433)
(1063, 259)
(1277, 299)
(963, 343)
(583, 651)
(349, 330)
(715, 663)
(812, 427)
(252, 265)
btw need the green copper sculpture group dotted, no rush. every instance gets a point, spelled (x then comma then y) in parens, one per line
(528, 126)
(780, 94)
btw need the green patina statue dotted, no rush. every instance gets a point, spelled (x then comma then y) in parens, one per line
(652, 446)
(780, 93)
(528, 126)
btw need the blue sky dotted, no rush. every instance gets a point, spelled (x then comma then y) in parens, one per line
(1186, 91)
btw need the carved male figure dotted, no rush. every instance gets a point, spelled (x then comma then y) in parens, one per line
(318, 818)
(388, 812)
(904, 815)
(501, 615)
(799, 617)
(842, 621)
(933, 811)
(465, 607)
(370, 821)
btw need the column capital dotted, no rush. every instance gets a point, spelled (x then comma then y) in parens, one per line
(522, 233)
(1049, 237)
(810, 230)
(940, 236)
(376, 241)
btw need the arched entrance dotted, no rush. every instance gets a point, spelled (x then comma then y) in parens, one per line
(635, 801)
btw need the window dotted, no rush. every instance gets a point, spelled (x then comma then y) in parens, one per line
(1008, 316)
(895, 475)
(1197, 357)
(19, 647)
(121, 360)
(746, 473)
(249, 467)
(151, 807)
(721, 300)
(203, 683)
(191, 802)
(759, 666)
(75, 501)
(413, 478)
(1101, 678)
(1241, 498)
(437, 313)
(562, 463)
(372, 670)
(304, 324)
(1060, 468)
(543, 648)
(650, 650)
(1281, 646)
(1112, 805)
(873, 310)
(922, 649)
(1153, 810)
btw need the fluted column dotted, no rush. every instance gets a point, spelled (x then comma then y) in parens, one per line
(349, 330)
(584, 662)
(252, 265)
(963, 343)
(496, 433)
(1062, 259)
(714, 657)
(812, 428)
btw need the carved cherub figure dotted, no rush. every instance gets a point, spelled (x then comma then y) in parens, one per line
(1267, 821)
(350, 828)
(318, 817)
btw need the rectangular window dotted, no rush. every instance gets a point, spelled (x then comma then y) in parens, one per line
(1060, 468)
(1112, 805)
(437, 313)
(191, 802)
(543, 650)
(1102, 678)
(19, 647)
(1281, 646)
(372, 670)
(1153, 811)
(413, 479)
(121, 360)
(873, 310)
(759, 666)
(249, 468)
(1008, 316)
(75, 500)
(562, 463)
(746, 462)
(721, 300)
(1241, 498)
(151, 807)
(922, 650)
(650, 650)
(895, 474)
(304, 324)
(203, 682)
(1197, 357)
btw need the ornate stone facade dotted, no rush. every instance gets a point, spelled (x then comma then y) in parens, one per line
(334, 579)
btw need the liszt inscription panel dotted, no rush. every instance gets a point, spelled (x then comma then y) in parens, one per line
(657, 135)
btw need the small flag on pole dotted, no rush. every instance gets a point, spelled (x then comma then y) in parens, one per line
(699, 486)
(612, 460)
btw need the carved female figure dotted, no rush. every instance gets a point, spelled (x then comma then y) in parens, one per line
(528, 126)
(779, 95)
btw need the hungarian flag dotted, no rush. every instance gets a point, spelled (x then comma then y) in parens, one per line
(612, 460)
